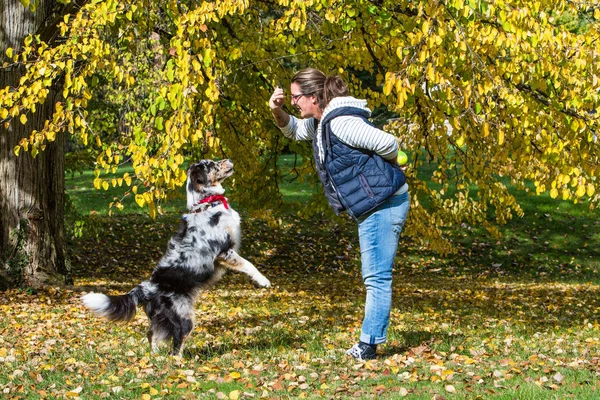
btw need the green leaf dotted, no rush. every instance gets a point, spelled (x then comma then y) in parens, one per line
(158, 124)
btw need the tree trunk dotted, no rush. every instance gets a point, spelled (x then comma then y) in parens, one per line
(32, 190)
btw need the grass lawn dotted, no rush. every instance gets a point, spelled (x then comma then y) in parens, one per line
(511, 319)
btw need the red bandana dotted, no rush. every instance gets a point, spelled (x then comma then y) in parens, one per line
(215, 198)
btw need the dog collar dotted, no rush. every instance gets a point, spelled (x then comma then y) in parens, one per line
(215, 199)
(211, 201)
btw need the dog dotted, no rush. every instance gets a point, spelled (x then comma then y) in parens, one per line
(197, 257)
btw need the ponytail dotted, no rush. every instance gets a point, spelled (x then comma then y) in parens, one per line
(334, 87)
(325, 88)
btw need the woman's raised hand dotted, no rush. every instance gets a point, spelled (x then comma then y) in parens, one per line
(277, 99)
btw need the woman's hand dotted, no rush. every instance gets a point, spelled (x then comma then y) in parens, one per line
(277, 99)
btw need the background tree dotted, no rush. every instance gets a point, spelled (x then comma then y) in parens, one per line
(32, 244)
(490, 93)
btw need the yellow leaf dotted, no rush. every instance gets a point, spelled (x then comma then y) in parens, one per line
(140, 200)
(153, 392)
(146, 396)
(486, 129)
(234, 395)
(74, 392)
(554, 193)
(213, 142)
(105, 185)
(235, 375)
(500, 137)
(23, 119)
(590, 189)
(574, 125)
(97, 183)
(425, 27)
(17, 149)
(389, 84)
(152, 210)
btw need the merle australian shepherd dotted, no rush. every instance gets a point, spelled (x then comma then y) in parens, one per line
(205, 247)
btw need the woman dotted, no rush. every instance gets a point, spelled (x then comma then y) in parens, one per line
(357, 166)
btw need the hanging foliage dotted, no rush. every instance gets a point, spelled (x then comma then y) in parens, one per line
(485, 94)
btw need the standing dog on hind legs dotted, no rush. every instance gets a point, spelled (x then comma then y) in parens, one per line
(205, 247)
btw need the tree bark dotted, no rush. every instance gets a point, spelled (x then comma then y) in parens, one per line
(32, 190)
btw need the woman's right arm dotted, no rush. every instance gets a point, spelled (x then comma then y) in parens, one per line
(290, 126)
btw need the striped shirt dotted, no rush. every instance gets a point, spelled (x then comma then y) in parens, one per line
(351, 130)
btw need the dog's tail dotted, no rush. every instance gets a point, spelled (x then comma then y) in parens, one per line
(120, 307)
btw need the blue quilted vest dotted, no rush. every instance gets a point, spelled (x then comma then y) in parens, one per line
(356, 180)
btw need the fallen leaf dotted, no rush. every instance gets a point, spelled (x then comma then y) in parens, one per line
(558, 377)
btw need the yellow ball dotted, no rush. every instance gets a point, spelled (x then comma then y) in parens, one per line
(402, 158)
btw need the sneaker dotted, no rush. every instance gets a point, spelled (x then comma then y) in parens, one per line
(362, 351)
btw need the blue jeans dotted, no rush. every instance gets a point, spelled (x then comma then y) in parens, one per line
(378, 233)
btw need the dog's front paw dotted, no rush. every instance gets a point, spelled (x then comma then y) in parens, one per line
(263, 282)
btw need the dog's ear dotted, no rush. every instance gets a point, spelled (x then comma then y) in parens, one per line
(193, 166)
(198, 174)
(200, 178)
(190, 168)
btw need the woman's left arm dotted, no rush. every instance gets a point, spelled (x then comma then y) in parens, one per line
(355, 132)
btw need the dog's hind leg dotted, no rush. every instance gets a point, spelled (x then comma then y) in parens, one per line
(180, 333)
(234, 261)
(153, 344)
(150, 310)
